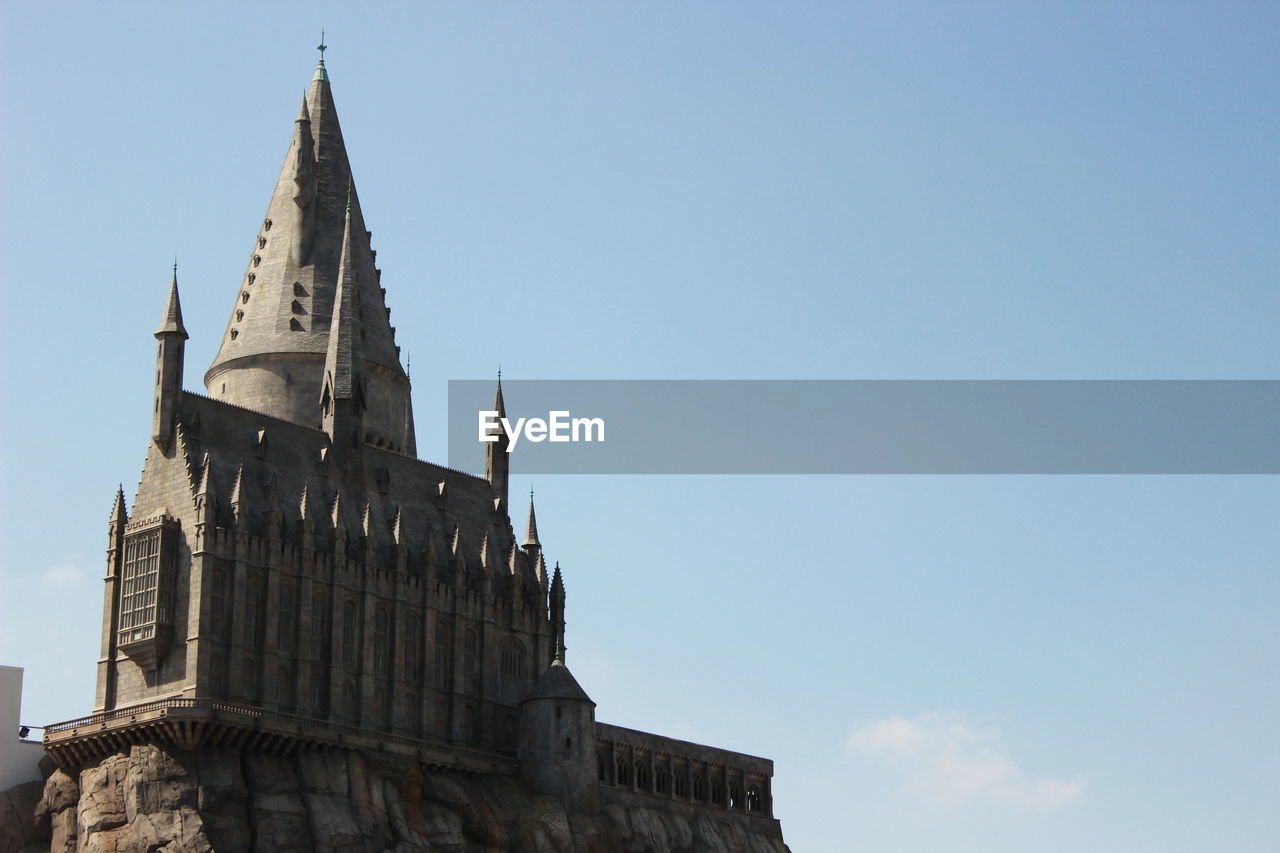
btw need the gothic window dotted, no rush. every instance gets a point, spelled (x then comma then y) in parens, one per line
(442, 715)
(717, 791)
(623, 775)
(349, 698)
(284, 686)
(470, 662)
(512, 670)
(319, 626)
(509, 731)
(602, 765)
(380, 703)
(249, 672)
(319, 691)
(471, 725)
(218, 605)
(143, 597)
(735, 796)
(411, 712)
(679, 785)
(661, 780)
(642, 774)
(753, 800)
(381, 648)
(349, 633)
(444, 649)
(411, 644)
(699, 789)
(218, 675)
(285, 622)
(255, 597)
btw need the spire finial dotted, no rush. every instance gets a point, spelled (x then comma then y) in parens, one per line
(321, 73)
(499, 374)
(175, 266)
(348, 198)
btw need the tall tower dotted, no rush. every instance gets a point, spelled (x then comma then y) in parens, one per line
(272, 356)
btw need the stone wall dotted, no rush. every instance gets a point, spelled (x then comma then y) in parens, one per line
(156, 798)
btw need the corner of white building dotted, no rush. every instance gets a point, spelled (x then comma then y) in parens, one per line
(19, 757)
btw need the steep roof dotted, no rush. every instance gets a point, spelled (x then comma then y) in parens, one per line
(286, 301)
(558, 683)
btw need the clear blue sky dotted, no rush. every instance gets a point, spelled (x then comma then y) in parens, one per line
(730, 190)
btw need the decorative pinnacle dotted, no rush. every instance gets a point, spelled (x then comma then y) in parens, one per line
(321, 73)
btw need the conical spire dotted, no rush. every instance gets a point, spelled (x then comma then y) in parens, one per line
(284, 306)
(171, 323)
(343, 354)
(531, 537)
(119, 509)
(497, 464)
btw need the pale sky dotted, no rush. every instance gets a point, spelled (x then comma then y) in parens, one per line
(746, 190)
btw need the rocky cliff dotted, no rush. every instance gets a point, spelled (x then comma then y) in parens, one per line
(157, 798)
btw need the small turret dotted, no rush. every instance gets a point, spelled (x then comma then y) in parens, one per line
(342, 396)
(531, 543)
(172, 337)
(556, 600)
(557, 740)
(497, 461)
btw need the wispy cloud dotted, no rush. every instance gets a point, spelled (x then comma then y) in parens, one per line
(62, 574)
(950, 762)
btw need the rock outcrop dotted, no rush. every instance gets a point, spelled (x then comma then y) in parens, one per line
(157, 798)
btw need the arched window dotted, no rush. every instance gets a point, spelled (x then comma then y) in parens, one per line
(444, 652)
(284, 686)
(319, 691)
(662, 779)
(349, 633)
(735, 795)
(699, 789)
(602, 767)
(381, 646)
(442, 716)
(253, 601)
(471, 662)
(380, 704)
(349, 698)
(753, 800)
(249, 673)
(285, 622)
(218, 606)
(319, 626)
(411, 644)
(509, 731)
(512, 670)
(717, 790)
(218, 675)
(471, 725)
(642, 774)
(411, 711)
(679, 785)
(623, 775)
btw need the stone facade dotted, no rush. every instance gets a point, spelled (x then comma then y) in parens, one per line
(293, 598)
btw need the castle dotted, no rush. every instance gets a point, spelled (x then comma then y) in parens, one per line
(291, 579)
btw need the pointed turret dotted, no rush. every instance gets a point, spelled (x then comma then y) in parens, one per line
(238, 509)
(497, 461)
(531, 543)
(284, 307)
(172, 338)
(342, 396)
(556, 600)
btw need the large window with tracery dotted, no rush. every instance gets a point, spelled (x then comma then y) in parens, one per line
(512, 670)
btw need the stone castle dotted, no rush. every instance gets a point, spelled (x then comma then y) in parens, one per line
(312, 639)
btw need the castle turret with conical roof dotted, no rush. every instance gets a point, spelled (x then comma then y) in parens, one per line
(273, 353)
